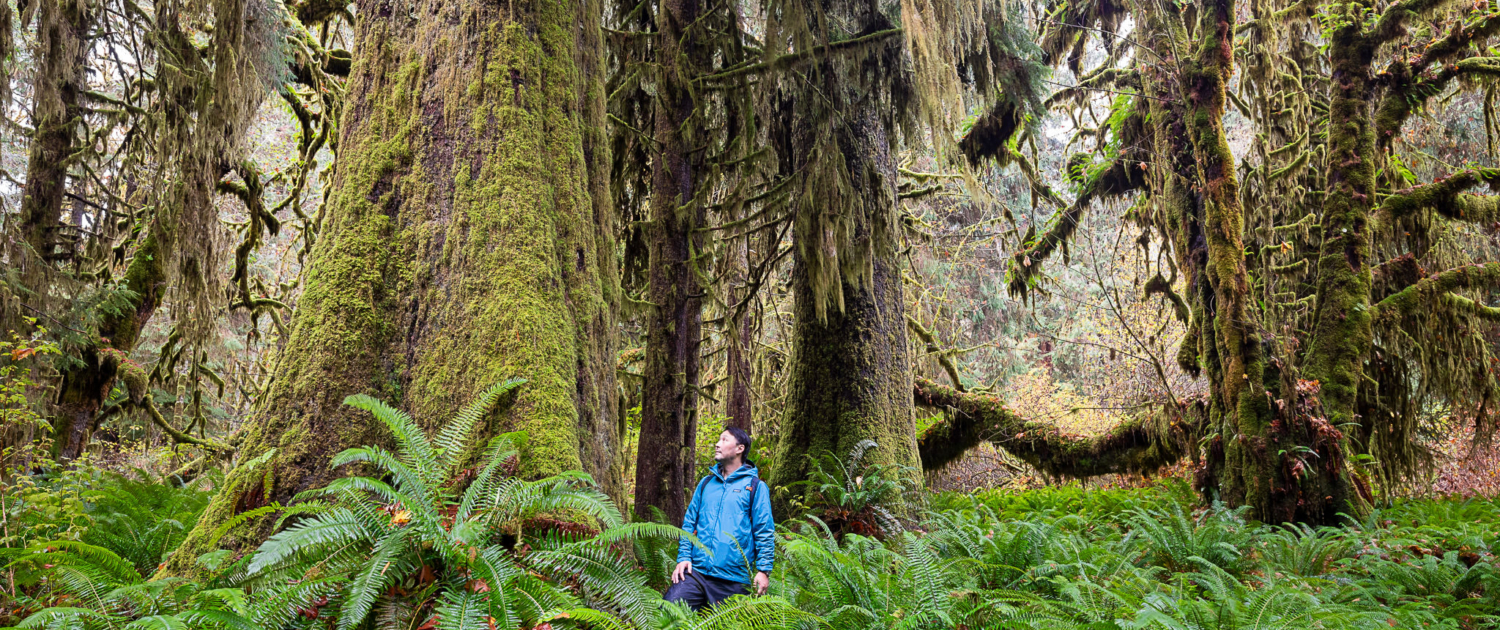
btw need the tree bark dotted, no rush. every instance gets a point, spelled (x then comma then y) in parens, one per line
(851, 375)
(61, 31)
(666, 454)
(467, 242)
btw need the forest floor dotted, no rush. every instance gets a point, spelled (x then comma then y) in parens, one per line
(1052, 557)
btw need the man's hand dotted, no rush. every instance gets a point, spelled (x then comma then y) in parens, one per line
(683, 568)
(762, 582)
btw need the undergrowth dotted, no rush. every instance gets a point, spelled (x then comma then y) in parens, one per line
(425, 540)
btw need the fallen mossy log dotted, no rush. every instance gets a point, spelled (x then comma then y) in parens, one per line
(1141, 444)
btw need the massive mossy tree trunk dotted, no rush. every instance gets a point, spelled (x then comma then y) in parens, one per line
(1253, 449)
(467, 242)
(665, 465)
(851, 374)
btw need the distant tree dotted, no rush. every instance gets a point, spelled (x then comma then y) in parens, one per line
(1323, 290)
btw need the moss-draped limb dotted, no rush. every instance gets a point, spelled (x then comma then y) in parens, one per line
(176, 434)
(1158, 284)
(1424, 292)
(1117, 177)
(930, 340)
(991, 134)
(1141, 444)
(1447, 198)
(1105, 77)
(1410, 85)
(1392, 22)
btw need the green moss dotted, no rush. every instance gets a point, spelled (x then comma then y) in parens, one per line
(462, 248)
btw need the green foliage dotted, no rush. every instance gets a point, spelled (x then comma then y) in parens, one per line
(17, 413)
(854, 497)
(403, 547)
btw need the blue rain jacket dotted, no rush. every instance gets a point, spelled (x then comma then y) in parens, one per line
(739, 535)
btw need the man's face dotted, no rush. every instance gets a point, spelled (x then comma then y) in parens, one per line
(727, 448)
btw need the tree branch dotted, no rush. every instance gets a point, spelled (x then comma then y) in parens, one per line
(1144, 443)
(1444, 198)
(1407, 301)
(930, 339)
(179, 436)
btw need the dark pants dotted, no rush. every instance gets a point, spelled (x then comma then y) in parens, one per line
(702, 591)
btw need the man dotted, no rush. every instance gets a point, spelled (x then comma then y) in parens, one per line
(731, 514)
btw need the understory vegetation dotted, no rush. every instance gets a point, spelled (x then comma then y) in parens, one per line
(437, 541)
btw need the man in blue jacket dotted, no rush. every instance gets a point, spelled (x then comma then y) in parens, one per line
(731, 514)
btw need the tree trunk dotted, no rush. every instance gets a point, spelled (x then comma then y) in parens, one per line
(851, 377)
(84, 388)
(666, 461)
(851, 373)
(61, 29)
(467, 242)
(737, 406)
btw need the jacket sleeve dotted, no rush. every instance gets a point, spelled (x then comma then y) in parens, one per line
(689, 524)
(763, 530)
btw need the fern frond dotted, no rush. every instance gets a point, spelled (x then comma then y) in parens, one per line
(111, 566)
(453, 439)
(461, 610)
(335, 527)
(411, 441)
(359, 597)
(157, 622)
(408, 481)
(216, 618)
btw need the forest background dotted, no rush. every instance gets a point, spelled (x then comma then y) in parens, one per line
(1010, 242)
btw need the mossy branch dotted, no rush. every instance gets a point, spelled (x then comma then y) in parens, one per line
(1446, 197)
(1461, 303)
(1392, 22)
(933, 347)
(790, 59)
(1115, 179)
(1142, 444)
(1158, 284)
(1425, 291)
(179, 436)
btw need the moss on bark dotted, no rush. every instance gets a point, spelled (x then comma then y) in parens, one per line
(465, 244)
(1142, 444)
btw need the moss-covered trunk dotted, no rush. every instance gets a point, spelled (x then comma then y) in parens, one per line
(1272, 451)
(62, 28)
(84, 387)
(850, 375)
(665, 463)
(467, 242)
